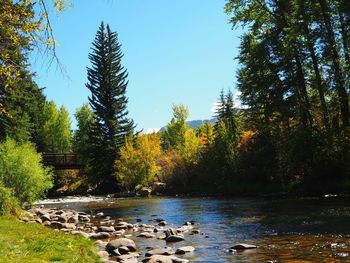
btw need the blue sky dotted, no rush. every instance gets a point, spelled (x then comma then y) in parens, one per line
(175, 52)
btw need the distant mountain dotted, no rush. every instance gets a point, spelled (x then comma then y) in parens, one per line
(196, 123)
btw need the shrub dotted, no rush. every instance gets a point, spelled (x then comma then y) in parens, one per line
(21, 171)
(8, 203)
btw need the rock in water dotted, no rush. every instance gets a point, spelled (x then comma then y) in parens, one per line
(164, 259)
(120, 242)
(146, 235)
(160, 251)
(243, 246)
(184, 250)
(172, 235)
(100, 235)
(176, 238)
(128, 258)
(105, 229)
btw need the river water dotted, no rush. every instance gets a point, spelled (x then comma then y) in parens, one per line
(285, 230)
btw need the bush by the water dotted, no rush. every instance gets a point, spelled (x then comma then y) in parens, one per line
(8, 203)
(22, 172)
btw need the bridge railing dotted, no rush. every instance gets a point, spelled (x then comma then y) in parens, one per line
(66, 160)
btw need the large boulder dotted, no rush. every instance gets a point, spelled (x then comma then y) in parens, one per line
(158, 187)
(145, 191)
(120, 242)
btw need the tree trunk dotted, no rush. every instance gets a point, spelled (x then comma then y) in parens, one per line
(304, 100)
(345, 38)
(342, 94)
(311, 48)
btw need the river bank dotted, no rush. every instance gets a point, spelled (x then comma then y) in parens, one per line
(32, 243)
(112, 236)
(307, 229)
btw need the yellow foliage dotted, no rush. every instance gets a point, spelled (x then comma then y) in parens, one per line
(139, 161)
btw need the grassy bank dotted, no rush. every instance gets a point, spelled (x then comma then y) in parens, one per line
(30, 242)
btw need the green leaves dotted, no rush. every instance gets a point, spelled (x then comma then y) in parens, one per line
(22, 171)
(56, 133)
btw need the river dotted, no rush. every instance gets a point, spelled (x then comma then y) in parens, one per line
(285, 230)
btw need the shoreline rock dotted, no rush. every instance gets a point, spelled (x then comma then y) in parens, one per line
(112, 235)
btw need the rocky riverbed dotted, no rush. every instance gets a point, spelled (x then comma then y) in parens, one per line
(285, 230)
(114, 237)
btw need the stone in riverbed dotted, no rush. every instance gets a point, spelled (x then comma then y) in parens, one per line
(73, 219)
(59, 212)
(172, 235)
(123, 250)
(176, 238)
(195, 231)
(128, 258)
(47, 223)
(184, 250)
(243, 246)
(164, 259)
(121, 225)
(45, 217)
(69, 226)
(167, 251)
(162, 223)
(101, 245)
(146, 235)
(105, 229)
(57, 225)
(100, 235)
(120, 242)
(84, 218)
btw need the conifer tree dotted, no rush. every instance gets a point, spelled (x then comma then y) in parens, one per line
(107, 81)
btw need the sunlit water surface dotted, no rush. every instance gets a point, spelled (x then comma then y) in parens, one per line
(285, 230)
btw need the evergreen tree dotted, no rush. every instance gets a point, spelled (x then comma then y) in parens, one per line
(226, 113)
(107, 81)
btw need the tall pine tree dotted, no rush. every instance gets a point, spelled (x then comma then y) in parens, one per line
(107, 81)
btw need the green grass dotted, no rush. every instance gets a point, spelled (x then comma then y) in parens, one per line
(30, 242)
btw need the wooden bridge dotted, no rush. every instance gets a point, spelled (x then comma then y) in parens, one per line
(63, 161)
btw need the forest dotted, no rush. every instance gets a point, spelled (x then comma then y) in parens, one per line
(290, 134)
